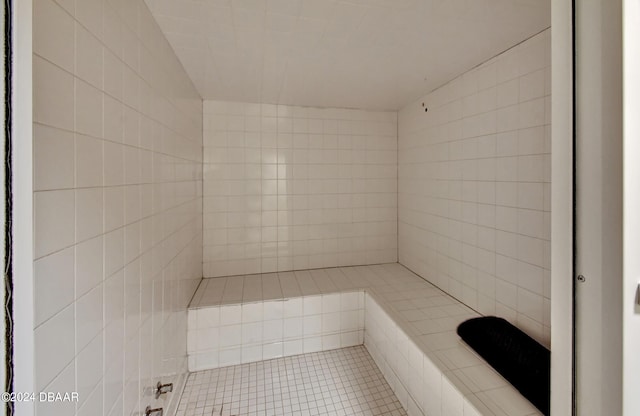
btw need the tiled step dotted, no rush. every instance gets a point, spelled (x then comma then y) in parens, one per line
(242, 333)
(407, 324)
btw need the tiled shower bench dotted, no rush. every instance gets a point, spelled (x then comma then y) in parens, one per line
(407, 325)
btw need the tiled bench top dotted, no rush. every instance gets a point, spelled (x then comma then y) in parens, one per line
(427, 315)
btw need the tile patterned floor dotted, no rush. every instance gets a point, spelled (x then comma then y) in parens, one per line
(339, 383)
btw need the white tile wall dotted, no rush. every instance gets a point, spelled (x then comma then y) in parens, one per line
(224, 335)
(474, 187)
(290, 188)
(118, 228)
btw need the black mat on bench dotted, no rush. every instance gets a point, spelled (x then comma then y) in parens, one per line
(519, 358)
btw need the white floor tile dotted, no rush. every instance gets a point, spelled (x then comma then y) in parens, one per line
(338, 382)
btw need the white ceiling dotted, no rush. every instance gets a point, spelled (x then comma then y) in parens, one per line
(370, 54)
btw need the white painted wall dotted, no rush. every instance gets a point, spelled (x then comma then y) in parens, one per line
(599, 360)
(24, 344)
(562, 208)
(631, 143)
